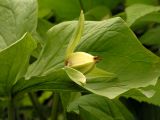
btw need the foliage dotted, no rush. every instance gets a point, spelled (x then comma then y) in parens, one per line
(36, 38)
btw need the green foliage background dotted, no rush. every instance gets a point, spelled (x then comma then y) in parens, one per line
(33, 40)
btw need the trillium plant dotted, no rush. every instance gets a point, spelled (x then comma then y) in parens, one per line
(77, 64)
(79, 60)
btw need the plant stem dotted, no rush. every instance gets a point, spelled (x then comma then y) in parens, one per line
(11, 114)
(37, 105)
(55, 106)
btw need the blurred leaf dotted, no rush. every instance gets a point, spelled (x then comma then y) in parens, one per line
(45, 95)
(149, 2)
(68, 97)
(45, 8)
(70, 9)
(97, 14)
(17, 18)
(147, 21)
(93, 107)
(151, 37)
(143, 10)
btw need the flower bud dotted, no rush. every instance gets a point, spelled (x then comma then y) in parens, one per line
(81, 61)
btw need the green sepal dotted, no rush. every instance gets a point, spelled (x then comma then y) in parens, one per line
(75, 75)
(76, 36)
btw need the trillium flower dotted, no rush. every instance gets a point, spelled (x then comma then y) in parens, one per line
(79, 64)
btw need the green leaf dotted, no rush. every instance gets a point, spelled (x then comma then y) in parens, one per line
(97, 14)
(14, 62)
(153, 17)
(149, 2)
(93, 107)
(52, 57)
(111, 40)
(57, 81)
(42, 27)
(126, 57)
(17, 18)
(45, 8)
(151, 37)
(76, 36)
(97, 72)
(143, 10)
(70, 9)
(152, 97)
(45, 95)
(68, 97)
(91, 113)
(75, 75)
(141, 94)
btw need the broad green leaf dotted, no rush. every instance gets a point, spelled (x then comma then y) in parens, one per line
(126, 57)
(53, 54)
(143, 10)
(14, 61)
(149, 2)
(17, 18)
(91, 113)
(111, 40)
(151, 37)
(98, 73)
(76, 36)
(57, 81)
(100, 108)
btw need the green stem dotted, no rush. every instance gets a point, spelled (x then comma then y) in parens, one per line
(37, 105)
(65, 115)
(55, 106)
(11, 114)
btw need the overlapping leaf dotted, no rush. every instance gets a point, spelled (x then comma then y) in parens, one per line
(69, 9)
(151, 37)
(149, 2)
(14, 61)
(145, 13)
(93, 107)
(57, 81)
(17, 18)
